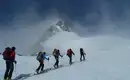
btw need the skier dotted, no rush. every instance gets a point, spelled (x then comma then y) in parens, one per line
(56, 54)
(9, 57)
(41, 57)
(82, 54)
(69, 54)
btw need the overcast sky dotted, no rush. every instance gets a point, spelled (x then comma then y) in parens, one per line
(75, 9)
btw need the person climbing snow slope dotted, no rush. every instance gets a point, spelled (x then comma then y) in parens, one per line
(56, 54)
(69, 54)
(41, 57)
(82, 54)
(9, 57)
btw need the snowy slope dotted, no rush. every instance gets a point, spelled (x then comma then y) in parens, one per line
(107, 59)
(61, 40)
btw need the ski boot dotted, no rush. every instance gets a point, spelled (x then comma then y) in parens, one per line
(7, 78)
(54, 66)
(37, 71)
(42, 71)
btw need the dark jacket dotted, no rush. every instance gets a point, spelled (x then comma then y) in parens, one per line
(56, 54)
(82, 51)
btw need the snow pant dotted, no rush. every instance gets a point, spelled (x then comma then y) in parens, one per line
(57, 62)
(82, 56)
(9, 70)
(70, 57)
(70, 62)
(41, 66)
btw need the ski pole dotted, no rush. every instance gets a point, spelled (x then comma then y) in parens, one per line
(15, 68)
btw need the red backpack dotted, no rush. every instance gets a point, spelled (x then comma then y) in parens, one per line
(8, 54)
(68, 52)
(12, 55)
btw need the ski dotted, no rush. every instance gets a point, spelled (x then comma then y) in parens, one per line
(46, 70)
(25, 76)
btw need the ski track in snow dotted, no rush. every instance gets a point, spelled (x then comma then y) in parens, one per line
(107, 59)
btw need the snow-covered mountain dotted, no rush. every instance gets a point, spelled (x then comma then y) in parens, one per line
(58, 27)
(107, 59)
(49, 32)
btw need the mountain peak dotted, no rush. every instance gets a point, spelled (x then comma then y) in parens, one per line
(58, 27)
(52, 30)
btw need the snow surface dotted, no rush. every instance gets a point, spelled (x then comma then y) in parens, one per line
(107, 59)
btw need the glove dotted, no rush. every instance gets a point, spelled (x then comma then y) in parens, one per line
(48, 59)
(61, 55)
(15, 62)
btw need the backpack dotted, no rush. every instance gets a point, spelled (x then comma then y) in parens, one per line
(39, 56)
(12, 55)
(6, 53)
(68, 52)
(54, 52)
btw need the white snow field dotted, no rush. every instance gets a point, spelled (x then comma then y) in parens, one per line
(107, 59)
